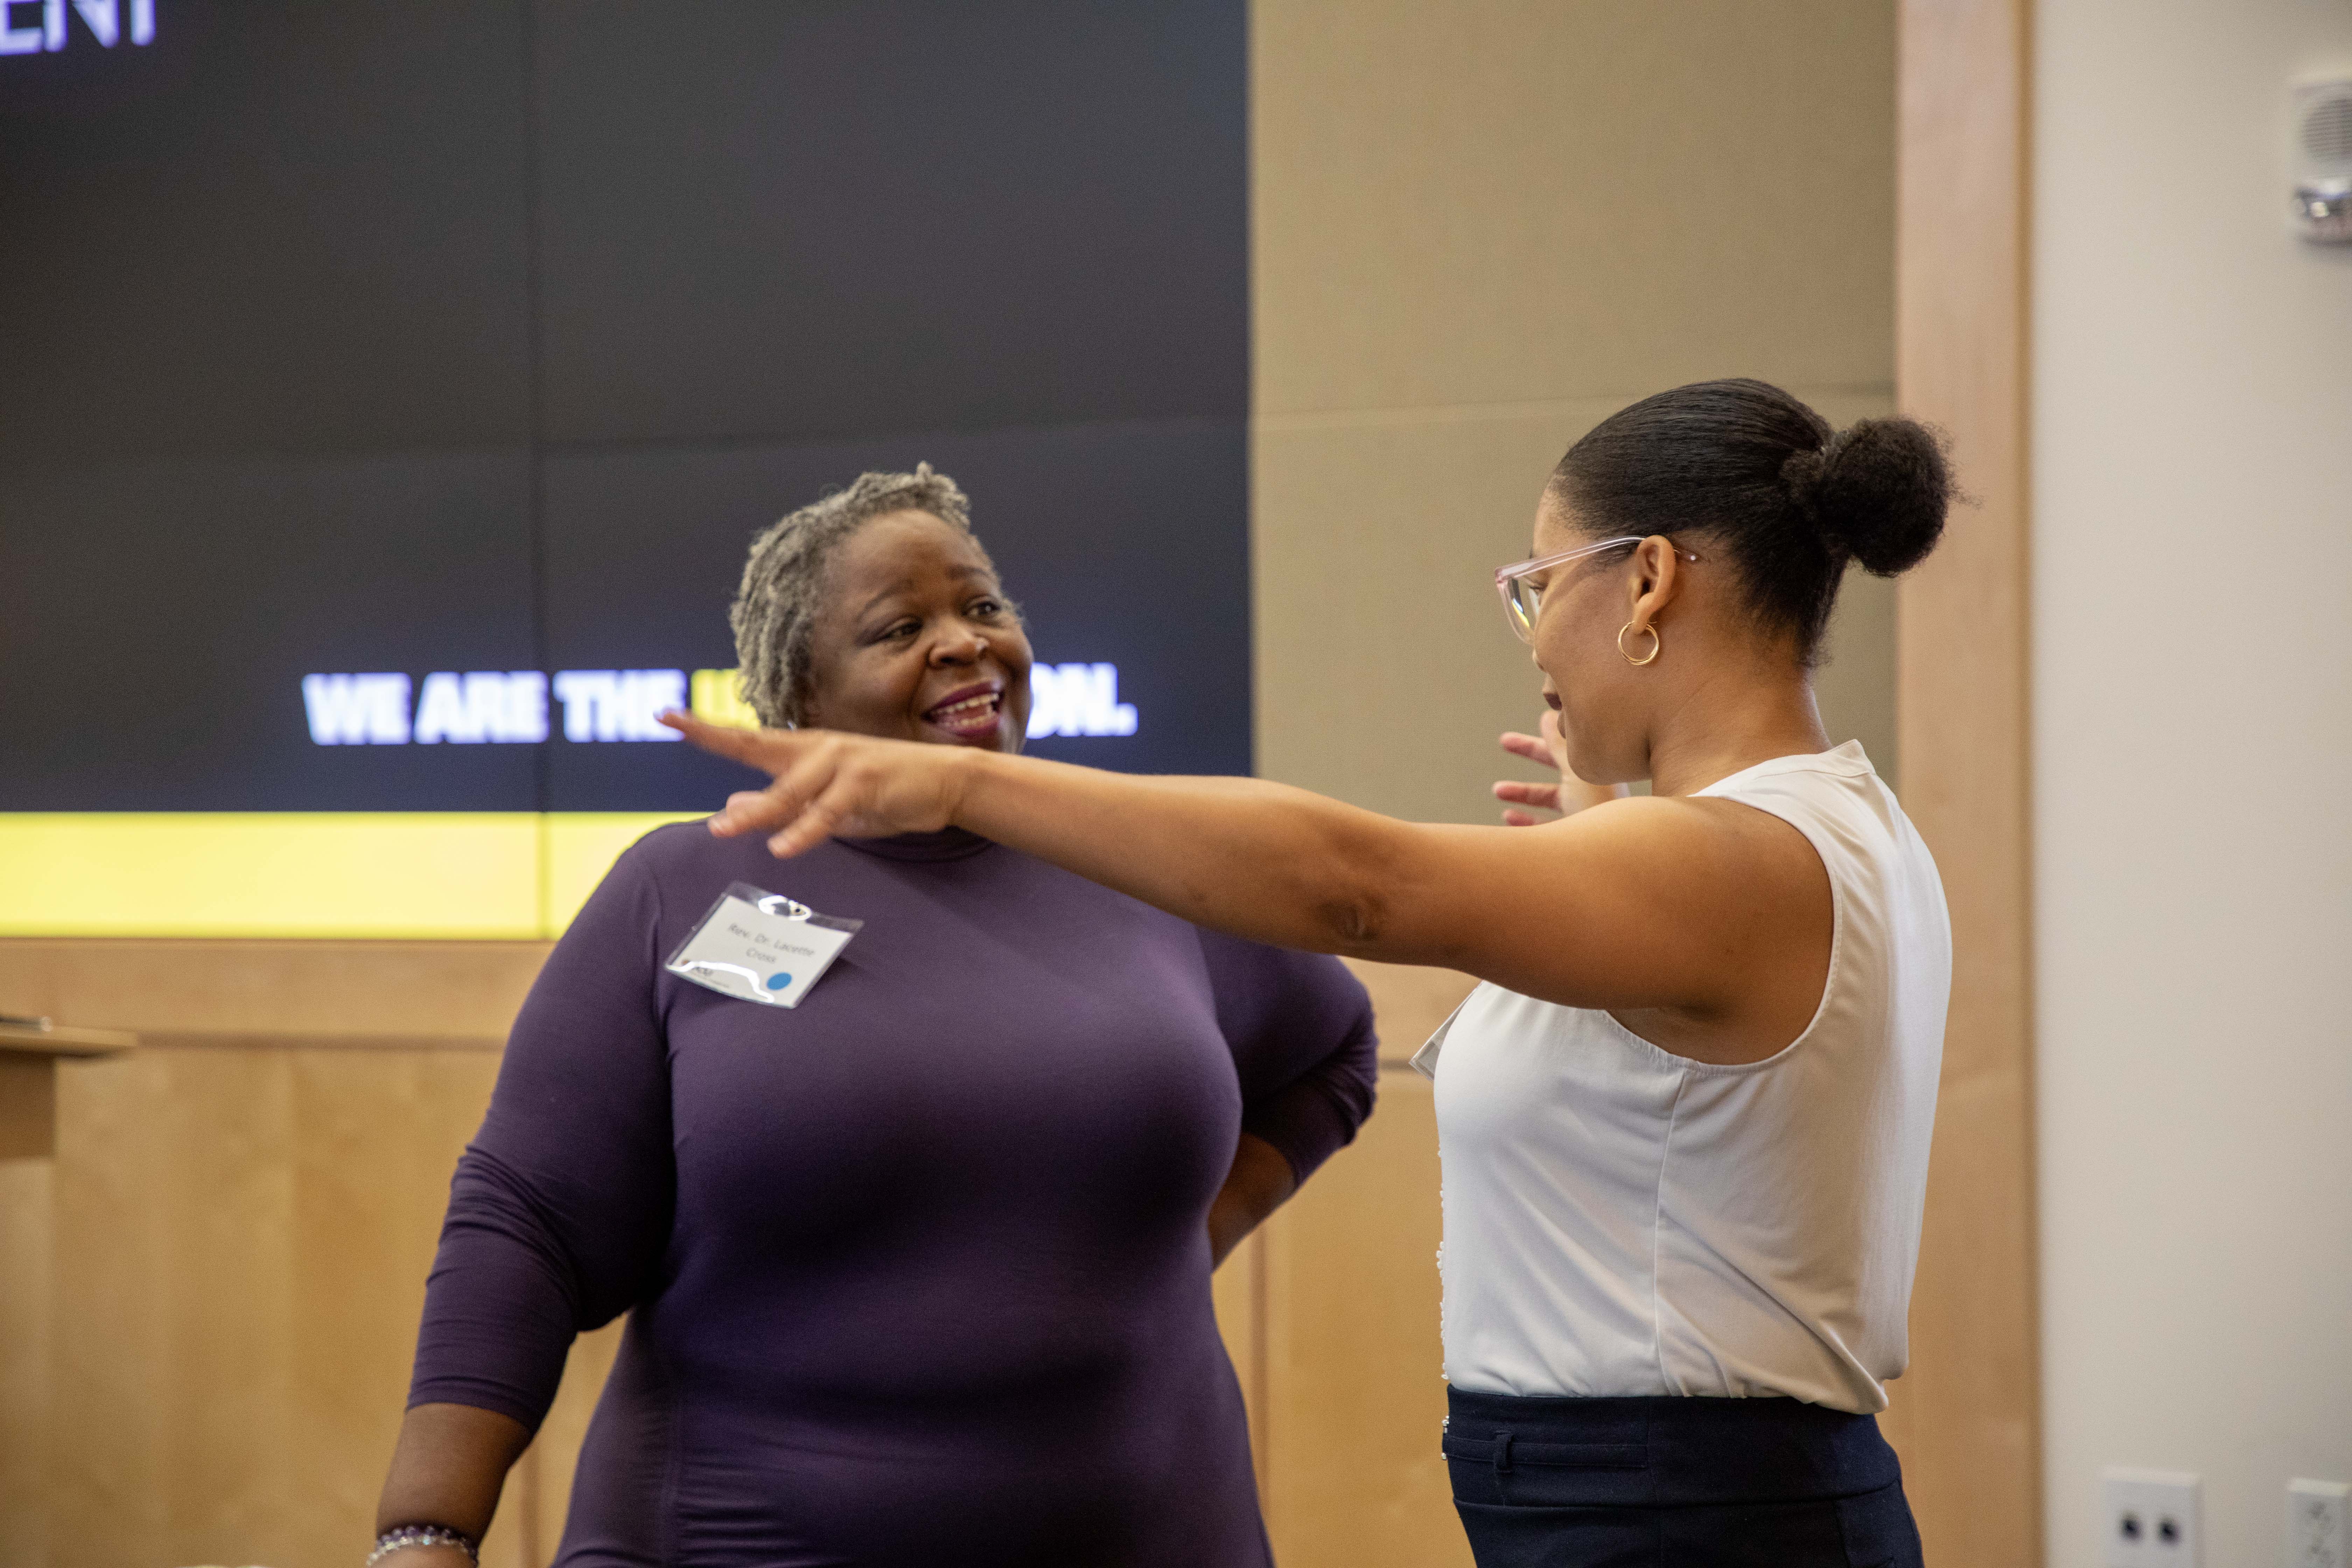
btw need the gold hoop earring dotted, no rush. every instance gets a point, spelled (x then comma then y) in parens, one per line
(1657, 644)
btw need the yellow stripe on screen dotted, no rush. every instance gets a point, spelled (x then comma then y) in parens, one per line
(394, 875)
(413, 876)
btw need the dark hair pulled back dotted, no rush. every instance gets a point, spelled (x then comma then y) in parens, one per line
(1787, 498)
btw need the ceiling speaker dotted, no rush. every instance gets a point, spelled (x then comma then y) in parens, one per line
(2321, 160)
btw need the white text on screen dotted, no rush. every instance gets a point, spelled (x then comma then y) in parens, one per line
(104, 19)
(492, 707)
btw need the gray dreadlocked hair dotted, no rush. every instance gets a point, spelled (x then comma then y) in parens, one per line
(784, 580)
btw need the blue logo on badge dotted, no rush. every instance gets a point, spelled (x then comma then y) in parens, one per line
(778, 981)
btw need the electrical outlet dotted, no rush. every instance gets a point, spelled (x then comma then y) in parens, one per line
(2150, 1519)
(2316, 1524)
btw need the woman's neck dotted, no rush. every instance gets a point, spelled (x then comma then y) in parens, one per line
(1727, 724)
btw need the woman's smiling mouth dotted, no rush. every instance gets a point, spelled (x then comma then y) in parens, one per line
(969, 713)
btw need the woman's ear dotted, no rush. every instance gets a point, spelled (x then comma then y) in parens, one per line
(1654, 581)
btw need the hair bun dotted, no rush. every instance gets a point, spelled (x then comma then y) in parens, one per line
(1878, 490)
(1802, 473)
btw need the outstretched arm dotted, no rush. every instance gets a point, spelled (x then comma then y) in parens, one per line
(1623, 906)
(1260, 860)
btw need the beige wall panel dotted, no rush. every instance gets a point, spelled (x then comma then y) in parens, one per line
(24, 1324)
(170, 1407)
(244, 1238)
(375, 1138)
(1855, 681)
(241, 1244)
(1355, 1394)
(1408, 1002)
(1384, 667)
(27, 1106)
(1491, 201)
(328, 988)
(1966, 1419)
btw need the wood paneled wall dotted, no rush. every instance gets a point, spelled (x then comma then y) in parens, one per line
(208, 1303)
(1477, 228)
(26, 1229)
(207, 1355)
(1967, 1417)
(1353, 1363)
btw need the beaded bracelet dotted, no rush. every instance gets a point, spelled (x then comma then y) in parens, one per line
(401, 1535)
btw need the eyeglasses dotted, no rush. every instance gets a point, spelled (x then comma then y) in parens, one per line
(1523, 600)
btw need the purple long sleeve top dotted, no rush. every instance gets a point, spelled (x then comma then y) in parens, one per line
(917, 1272)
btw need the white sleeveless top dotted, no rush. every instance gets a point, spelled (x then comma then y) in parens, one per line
(1620, 1220)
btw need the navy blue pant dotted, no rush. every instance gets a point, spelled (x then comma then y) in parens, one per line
(1675, 1483)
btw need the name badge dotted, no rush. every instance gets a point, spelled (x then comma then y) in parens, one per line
(761, 947)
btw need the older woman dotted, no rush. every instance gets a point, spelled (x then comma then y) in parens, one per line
(917, 1270)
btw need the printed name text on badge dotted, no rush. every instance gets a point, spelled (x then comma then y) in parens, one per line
(758, 946)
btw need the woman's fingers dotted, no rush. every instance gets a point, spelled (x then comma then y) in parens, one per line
(723, 740)
(804, 765)
(1534, 748)
(770, 750)
(1571, 794)
(848, 791)
(827, 784)
(1537, 748)
(786, 805)
(745, 810)
(831, 811)
(809, 829)
(1525, 796)
(1544, 795)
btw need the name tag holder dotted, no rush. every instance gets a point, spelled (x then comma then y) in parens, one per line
(762, 947)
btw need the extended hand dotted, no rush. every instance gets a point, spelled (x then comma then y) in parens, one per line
(828, 783)
(1571, 794)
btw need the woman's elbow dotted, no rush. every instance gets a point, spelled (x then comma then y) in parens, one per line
(1353, 923)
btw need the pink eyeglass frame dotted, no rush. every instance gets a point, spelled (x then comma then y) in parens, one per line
(1504, 578)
